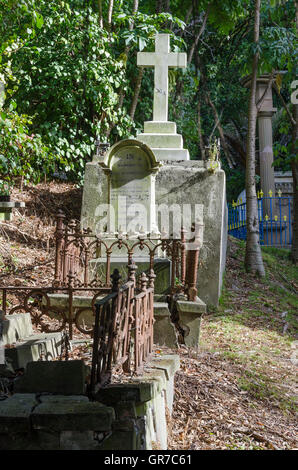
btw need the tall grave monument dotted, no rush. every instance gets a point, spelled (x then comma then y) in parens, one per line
(138, 183)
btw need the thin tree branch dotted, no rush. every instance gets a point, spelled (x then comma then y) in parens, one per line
(202, 29)
(291, 117)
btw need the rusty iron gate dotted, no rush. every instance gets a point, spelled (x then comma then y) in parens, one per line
(123, 330)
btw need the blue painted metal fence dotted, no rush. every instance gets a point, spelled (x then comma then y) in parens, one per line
(275, 220)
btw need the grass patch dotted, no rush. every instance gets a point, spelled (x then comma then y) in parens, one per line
(255, 324)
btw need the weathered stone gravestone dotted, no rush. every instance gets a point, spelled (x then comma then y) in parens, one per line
(127, 190)
(154, 174)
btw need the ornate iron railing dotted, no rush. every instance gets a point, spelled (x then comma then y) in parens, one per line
(123, 323)
(77, 250)
(275, 220)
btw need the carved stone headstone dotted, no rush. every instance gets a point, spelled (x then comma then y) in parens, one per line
(128, 199)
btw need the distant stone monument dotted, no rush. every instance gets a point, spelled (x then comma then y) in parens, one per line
(266, 112)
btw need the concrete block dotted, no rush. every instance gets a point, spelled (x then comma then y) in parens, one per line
(115, 393)
(73, 416)
(191, 183)
(16, 327)
(124, 437)
(164, 330)
(58, 377)
(15, 413)
(45, 346)
(169, 141)
(169, 363)
(197, 308)
(190, 314)
(170, 155)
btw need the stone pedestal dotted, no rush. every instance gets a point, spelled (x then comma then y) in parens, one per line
(164, 141)
(164, 330)
(190, 314)
(190, 187)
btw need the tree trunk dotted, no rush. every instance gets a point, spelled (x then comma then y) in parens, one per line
(294, 164)
(136, 93)
(230, 161)
(100, 13)
(110, 12)
(253, 254)
(126, 52)
(202, 29)
(201, 141)
(159, 6)
(179, 84)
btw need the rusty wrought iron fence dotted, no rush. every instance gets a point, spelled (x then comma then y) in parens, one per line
(123, 330)
(78, 250)
(77, 285)
(119, 318)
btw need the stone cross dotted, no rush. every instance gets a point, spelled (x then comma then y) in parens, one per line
(161, 60)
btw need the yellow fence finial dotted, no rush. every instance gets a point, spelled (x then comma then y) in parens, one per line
(270, 193)
(261, 194)
(266, 218)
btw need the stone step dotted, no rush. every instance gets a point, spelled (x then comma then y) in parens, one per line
(57, 377)
(172, 141)
(170, 154)
(160, 127)
(43, 346)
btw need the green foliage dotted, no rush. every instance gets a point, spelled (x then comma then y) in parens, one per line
(22, 154)
(65, 76)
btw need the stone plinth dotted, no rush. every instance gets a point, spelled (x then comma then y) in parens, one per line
(164, 141)
(58, 377)
(164, 330)
(190, 314)
(180, 183)
(266, 111)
